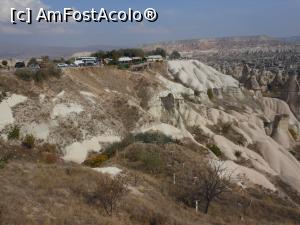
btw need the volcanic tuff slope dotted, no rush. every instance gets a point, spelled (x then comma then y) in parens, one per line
(88, 108)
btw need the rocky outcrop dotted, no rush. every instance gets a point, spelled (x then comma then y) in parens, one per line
(252, 84)
(278, 83)
(280, 131)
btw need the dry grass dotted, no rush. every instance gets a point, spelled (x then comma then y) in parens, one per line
(41, 194)
(34, 192)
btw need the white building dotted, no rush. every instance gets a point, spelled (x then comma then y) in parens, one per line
(155, 58)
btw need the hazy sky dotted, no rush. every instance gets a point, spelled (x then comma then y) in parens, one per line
(178, 19)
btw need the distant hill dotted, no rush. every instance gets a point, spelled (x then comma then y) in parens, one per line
(19, 51)
(217, 44)
(294, 39)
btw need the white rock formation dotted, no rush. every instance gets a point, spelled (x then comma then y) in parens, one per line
(6, 113)
(199, 76)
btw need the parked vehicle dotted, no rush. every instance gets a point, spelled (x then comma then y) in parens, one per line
(86, 61)
(62, 65)
(19, 65)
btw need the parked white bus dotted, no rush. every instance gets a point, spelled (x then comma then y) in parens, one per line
(85, 61)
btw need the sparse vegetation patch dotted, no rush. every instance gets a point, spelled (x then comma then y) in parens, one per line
(215, 149)
(96, 161)
(29, 141)
(14, 133)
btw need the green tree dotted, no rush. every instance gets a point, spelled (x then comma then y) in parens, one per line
(100, 54)
(175, 55)
(32, 61)
(160, 51)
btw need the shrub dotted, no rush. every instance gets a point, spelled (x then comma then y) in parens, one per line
(111, 150)
(198, 134)
(238, 154)
(24, 74)
(197, 93)
(32, 61)
(225, 127)
(5, 155)
(109, 192)
(40, 75)
(153, 137)
(151, 161)
(147, 160)
(50, 158)
(29, 141)
(47, 71)
(2, 164)
(215, 149)
(148, 138)
(158, 219)
(49, 148)
(14, 134)
(204, 184)
(96, 161)
(210, 94)
(4, 63)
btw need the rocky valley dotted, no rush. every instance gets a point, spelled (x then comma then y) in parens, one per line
(156, 128)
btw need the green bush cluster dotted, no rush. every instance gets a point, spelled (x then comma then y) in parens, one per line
(39, 75)
(14, 134)
(148, 138)
(215, 149)
(45, 73)
(29, 141)
(154, 138)
(148, 160)
(25, 74)
(151, 160)
(111, 150)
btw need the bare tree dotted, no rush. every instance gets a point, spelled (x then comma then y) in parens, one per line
(109, 192)
(214, 181)
(204, 184)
